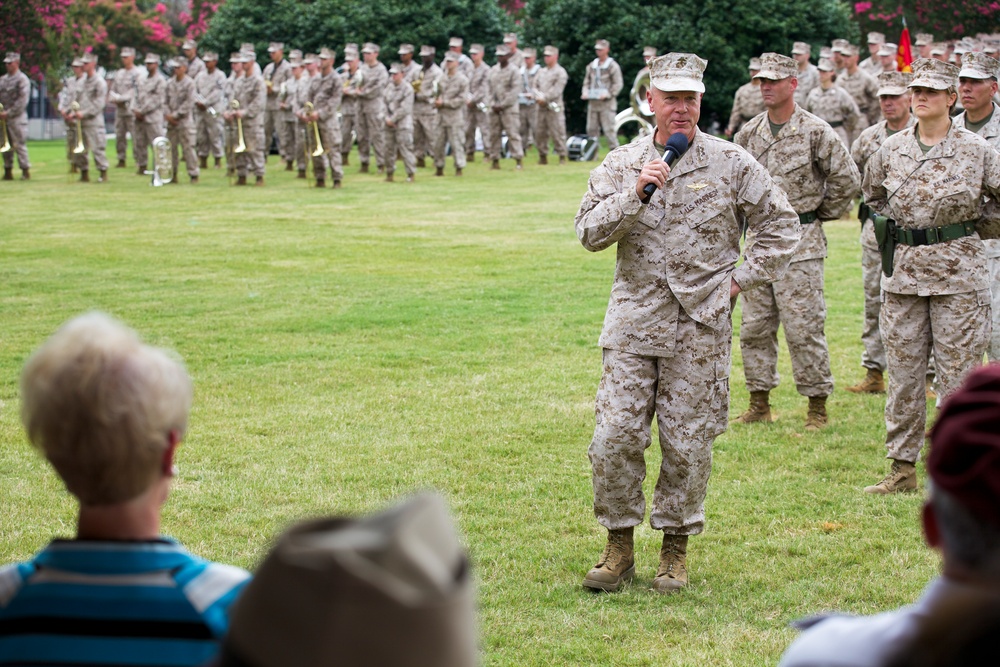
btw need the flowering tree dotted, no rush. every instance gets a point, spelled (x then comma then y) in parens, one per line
(946, 19)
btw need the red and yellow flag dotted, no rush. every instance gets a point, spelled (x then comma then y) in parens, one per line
(904, 55)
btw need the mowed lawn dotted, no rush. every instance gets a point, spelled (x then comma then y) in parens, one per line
(349, 347)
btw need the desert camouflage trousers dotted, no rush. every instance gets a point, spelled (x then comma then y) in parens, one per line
(551, 125)
(399, 142)
(124, 126)
(601, 120)
(993, 266)
(452, 133)
(17, 131)
(957, 328)
(505, 120)
(425, 129)
(873, 355)
(688, 392)
(477, 119)
(796, 302)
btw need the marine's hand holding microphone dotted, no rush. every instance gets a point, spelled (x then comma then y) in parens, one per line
(677, 145)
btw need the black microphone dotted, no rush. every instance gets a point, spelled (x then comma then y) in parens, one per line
(677, 145)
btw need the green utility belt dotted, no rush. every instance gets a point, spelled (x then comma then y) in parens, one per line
(889, 235)
(808, 218)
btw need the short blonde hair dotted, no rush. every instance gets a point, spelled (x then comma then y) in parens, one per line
(100, 404)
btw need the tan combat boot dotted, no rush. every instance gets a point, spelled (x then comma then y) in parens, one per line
(364, 168)
(543, 159)
(873, 383)
(421, 163)
(8, 174)
(439, 171)
(202, 162)
(816, 416)
(672, 574)
(617, 563)
(495, 165)
(902, 478)
(759, 410)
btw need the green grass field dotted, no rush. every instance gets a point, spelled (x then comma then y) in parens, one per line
(351, 346)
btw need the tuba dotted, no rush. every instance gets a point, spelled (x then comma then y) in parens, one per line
(315, 124)
(639, 112)
(79, 148)
(241, 146)
(5, 148)
(163, 168)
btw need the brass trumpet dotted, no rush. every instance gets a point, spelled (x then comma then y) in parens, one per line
(79, 148)
(319, 143)
(5, 148)
(242, 145)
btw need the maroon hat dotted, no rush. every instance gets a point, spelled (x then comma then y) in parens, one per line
(964, 458)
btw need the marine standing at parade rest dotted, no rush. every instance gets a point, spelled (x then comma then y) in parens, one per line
(977, 87)
(526, 100)
(601, 86)
(747, 103)
(325, 92)
(178, 112)
(92, 96)
(371, 108)
(833, 104)
(924, 42)
(894, 98)
(210, 100)
(195, 65)
(505, 84)
(148, 111)
(399, 123)
(15, 91)
(872, 65)
(276, 74)
(425, 115)
(479, 99)
(453, 91)
(549, 86)
(862, 87)
(465, 65)
(228, 118)
(121, 93)
(66, 98)
(516, 56)
(929, 181)
(808, 74)
(667, 334)
(888, 55)
(810, 163)
(349, 103)
(251, 94)
(305, 137)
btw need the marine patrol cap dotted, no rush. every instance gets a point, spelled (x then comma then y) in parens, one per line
(931, 73)
(550, 50)
(893, 83)
(327, 54)
(451, 57)
(649, 52)
(923, 39)
(529, 52)
(210, 55)
(89, 57)
(127, 51)
(310, 59)
(839, 44)
(602, 44)
(404, 49)
(826, 52)
(800, 48)
(189, 44)
(247, 47)
(939, 49)
(12, 57)
(350, 54)
(888, 49)
(876, 38)
(776, 67)
(455, 41)
(510, 37)
(476, 48)
(152, 59)
(978, 65)
(754, 64)
(849, 50)
(275, 46)
(77, 62)
(396, 68)
(234, 57)
(370, 47)
(678, 72)
(427, 50)
(171, 63)
(296, 54)
(826, 65)
(502, 50)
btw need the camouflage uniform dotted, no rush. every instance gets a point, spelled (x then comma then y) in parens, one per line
(304, 136)
(425, 114)
(606, 77)
(812, 166)
(274, 119)
(348, 112)
(747, 104)
(938, 296)
(836, 106)
(179, 103)
(195, 67)
(479, 94)
(528, 110)
(66, 97)
(667, 334)
(15, 91)
(549, 86)
(399, 109)
(505, 85)
(149, 102)
(371, 114)
(873, 356)
(251, 93)
(91, 95)
(808, 81)
(991, 133)
(210, 91)
(864, 89)
(453, 91)
(122, 93)
(325, 92)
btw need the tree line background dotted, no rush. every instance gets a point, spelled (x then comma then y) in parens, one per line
(725, 32)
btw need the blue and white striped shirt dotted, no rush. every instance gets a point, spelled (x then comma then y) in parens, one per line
(115, 603)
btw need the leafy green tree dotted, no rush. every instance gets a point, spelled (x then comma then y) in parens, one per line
(310, 25)
(725, 32)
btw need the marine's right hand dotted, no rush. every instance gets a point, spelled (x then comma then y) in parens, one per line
(656, 172)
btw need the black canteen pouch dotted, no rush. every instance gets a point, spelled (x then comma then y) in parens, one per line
(884, 228)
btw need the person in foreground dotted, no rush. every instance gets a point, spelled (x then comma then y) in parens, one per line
(961, 520)
(109, 412)
(667, 334)
(391, 590)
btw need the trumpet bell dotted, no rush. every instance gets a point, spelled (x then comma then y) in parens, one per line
(5, 148)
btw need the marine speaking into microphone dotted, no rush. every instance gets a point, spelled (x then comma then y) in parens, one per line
(677, 145)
